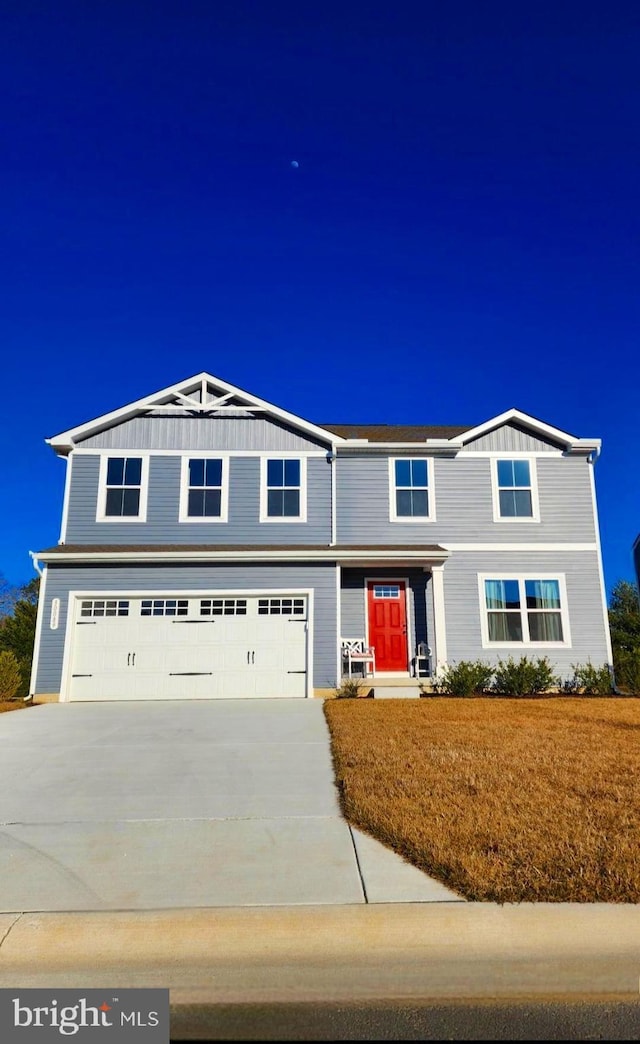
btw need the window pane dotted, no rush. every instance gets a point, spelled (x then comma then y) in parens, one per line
(133, 471)
(420, 503)
(542, 594)
(213, 473)
(507, 504)
(545, 627)
(505, 627)
(196, 473)
(522, 503)
(115, 471)
(291, 503)
(505, 473)
(275, 473)
(196, 503)
(502, 594)
(291, 472)
(131, 502)
(113, 505)
(274, 503)
(403, 473)
(521, 473)
(212, 498)
(403, 503)
(419, 472)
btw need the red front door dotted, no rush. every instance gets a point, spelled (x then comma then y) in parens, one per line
(387, 611)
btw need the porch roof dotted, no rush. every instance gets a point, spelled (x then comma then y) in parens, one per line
(238, 552)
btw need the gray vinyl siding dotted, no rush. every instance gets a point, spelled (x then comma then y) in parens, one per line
(511, 437)
(353, 601)
(321, 578)
(162, 525)
(201, 433)
(463, 608)
(461, 487)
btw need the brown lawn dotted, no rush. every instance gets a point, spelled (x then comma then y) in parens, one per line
(502, 800)
(9, 705)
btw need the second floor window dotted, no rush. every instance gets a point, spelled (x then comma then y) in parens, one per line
(515, 493)
(409, 494)
(122, 487)
(282, 490)
(203, 490)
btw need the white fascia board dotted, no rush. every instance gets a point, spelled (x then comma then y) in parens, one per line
(528, 422)
(63, 442)
(329, 554)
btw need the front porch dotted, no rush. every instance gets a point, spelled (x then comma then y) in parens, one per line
(391, 626)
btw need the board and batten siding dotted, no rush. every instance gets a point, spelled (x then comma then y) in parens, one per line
(201, 433)
(321, 578)
(509, 437)
(162, 525)
(353, 602)
(463, 608)
(463, 503)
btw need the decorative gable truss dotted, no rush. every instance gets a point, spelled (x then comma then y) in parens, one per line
(197, 396)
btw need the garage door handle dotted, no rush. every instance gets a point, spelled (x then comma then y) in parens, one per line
(187, 674)
(296, 672)
(192, 621)
(82, 676)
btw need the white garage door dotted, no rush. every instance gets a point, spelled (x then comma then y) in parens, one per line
(198, 647)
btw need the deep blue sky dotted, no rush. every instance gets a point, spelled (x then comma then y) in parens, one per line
(461, 234)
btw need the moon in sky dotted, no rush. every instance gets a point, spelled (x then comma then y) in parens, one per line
(294, 163)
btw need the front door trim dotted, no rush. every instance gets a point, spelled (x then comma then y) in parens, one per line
(408, 616)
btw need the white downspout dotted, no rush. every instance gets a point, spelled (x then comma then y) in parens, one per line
(331, 457)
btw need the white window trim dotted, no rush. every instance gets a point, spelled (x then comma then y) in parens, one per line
(495, 491)
(283, 519)
(183, 515)
(102, 488)
(411, 520)
(526, 643)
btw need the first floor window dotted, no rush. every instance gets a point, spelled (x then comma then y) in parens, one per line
(523, 610)
(123, 487)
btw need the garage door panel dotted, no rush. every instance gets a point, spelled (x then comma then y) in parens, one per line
(200, 647)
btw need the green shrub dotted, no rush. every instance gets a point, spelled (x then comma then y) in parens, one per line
(465, 678)
(591, 680)
(10, 676)
(350, 689)
(627, 669)
(524, 677)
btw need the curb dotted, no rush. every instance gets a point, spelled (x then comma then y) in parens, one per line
(435, 951)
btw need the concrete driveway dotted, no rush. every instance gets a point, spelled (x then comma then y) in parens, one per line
(138, 806)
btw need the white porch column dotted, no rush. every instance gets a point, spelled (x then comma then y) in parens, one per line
(439, 619)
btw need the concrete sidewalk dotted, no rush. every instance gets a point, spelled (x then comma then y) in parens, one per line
(317, 954)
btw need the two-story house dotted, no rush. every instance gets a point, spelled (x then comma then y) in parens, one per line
(213, 545)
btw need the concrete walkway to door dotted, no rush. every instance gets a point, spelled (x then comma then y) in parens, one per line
(140, 806)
